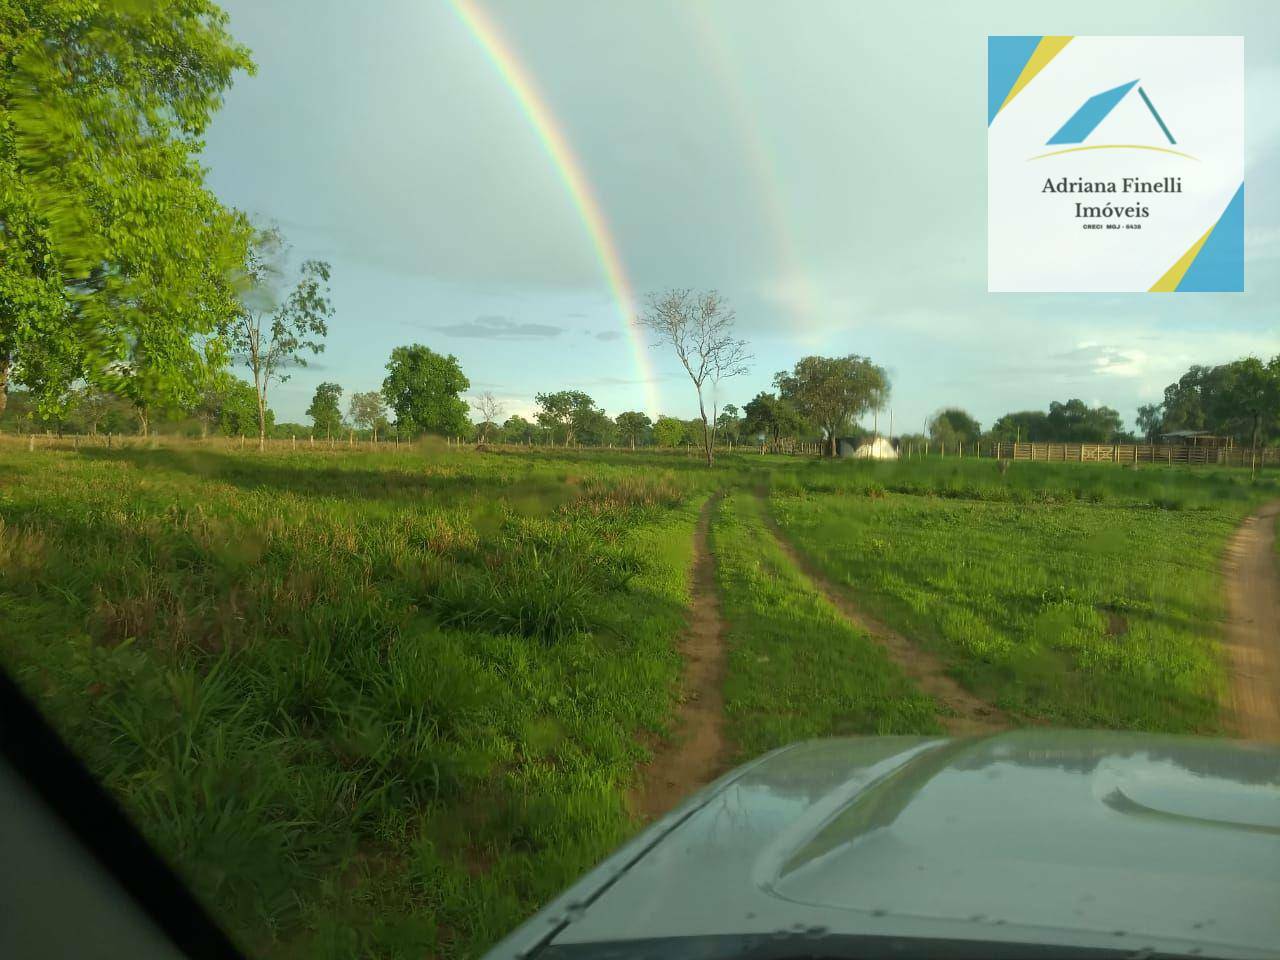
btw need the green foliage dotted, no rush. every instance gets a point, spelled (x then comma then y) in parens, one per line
(325, 411)
(633, 427)
(771, 417)
(567, 414)
(229, 406)
(831, 392)
(116, 263)
(272, 335)
(1071, 422)
(368, 411)
(953, 426)
(423, 388)
(517, 429)
(670, 432)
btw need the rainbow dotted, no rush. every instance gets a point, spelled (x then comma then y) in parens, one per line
(571, 172)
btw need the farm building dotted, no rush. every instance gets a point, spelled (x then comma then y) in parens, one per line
(881, 448)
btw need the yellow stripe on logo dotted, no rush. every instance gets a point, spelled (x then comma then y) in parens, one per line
(1173, 276)
(1046, 50)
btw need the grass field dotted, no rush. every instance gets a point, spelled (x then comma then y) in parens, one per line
(388, 703)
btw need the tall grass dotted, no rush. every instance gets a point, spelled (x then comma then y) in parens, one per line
(381, 704)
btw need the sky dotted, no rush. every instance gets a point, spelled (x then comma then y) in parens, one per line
(821, 164)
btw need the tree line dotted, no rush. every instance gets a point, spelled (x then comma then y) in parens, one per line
(129, 293)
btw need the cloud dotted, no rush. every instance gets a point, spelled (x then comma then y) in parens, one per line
(609, 335)
(492, 327)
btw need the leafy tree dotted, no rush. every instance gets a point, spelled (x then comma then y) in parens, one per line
(1250, 398)
(952, 426)
(700, 328)
(669, 431)
(1150, 421)
(774, 418)
(1025, 426)
(729, 422)
(271, 335)
(423, 388)
(1076, 422)
(368, 411)
(490, 409)
(632, 425)
(517, 429)
(593, 428)
(831, 392)
(325, 411)
(115, 261)
(227, 404)
(565, 413)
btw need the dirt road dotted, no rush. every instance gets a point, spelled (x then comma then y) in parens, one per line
(696, 755)
(1253, 626)
(964, 713)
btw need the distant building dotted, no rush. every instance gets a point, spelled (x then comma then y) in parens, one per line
(880, 448)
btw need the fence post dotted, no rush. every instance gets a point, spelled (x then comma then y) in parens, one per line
(293, 442)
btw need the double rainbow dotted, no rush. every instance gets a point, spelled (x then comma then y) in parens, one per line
(571, 172)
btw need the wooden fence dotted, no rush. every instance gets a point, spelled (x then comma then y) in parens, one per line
(1124, 453)
(1104, 453)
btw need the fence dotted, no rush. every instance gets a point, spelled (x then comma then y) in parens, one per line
(1058, 452)
(1105, 453)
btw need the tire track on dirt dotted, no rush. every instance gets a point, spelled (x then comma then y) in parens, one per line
(696, 754)
(1253, 626)
(963, 713)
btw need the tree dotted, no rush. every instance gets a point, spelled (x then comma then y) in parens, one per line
(952, 426)
(632, 425)
(368, 411)
(700, 328)
(423, 388)
(325, 411)
(490, 409)
(767, 415)
(831, 392)
(518, 430)
(1025, 426)
(228, 404)
(729, 422)
(1150, 421)
(669, 431)
(111, 248)
(564, 413)
(269, 334)
(90, 406)
(1077, 422)
(1251, 396)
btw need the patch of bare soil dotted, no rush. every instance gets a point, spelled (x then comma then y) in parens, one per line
(1253, 627)
(696, 754)
(963, 713)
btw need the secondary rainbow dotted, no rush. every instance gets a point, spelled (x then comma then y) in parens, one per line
(570, 169)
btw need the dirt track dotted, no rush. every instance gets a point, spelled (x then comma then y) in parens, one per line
(1253, 627)
(696, 754)
(964, 714)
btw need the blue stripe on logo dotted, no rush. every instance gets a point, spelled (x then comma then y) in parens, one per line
(1091, 113)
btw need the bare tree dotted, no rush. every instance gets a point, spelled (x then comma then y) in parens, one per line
(490, 409)
(699, 326)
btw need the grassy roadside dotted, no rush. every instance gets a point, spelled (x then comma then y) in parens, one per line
(1101, 614)
(796, 668)
(375, 705)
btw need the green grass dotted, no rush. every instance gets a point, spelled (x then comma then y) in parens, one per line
(1094, 604)
(370, 704)
(388, 704)
(797, 668)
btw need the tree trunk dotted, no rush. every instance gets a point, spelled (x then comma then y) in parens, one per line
(831, 444)
(6, 368)
(262, 422)
(633, 441)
